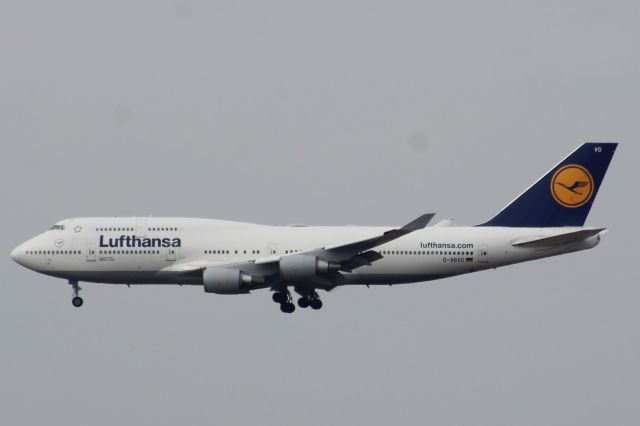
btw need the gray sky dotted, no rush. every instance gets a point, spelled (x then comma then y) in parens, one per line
(278, 112)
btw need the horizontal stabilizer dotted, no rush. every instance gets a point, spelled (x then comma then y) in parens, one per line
(556, 240)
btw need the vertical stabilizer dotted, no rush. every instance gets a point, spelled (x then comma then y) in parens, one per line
(563, 196)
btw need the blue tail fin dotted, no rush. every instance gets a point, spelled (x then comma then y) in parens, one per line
(562, 197)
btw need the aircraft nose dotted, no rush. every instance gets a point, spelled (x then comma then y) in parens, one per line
(16, 254)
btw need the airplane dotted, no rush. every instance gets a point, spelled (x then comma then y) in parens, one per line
(227, 257)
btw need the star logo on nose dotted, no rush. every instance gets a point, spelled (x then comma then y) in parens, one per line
(77, 229)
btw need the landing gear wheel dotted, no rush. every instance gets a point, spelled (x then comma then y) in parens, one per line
(315, 304)
(279, 297)
(303, 302)
(77, 300)
(288, 308)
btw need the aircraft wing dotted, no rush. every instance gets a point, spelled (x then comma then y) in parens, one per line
(345, 251)
(350, 255)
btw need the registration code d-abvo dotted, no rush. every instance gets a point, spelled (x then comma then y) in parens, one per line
(457, 259)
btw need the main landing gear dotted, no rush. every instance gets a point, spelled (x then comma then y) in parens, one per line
(284, 299)
(77, 300)
(310, 299)
(307, 299)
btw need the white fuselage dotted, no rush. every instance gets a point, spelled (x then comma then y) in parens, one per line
(153, 250)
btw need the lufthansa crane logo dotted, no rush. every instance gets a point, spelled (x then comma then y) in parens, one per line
(572, 186)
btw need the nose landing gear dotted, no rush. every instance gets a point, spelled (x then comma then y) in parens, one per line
(77, 300)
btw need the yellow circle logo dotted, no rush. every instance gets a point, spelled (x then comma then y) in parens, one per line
(572, 186)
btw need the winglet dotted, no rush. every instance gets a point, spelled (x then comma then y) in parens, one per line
(419, 223)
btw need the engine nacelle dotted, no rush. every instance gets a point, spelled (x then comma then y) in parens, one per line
(228, 281)
(301, 267)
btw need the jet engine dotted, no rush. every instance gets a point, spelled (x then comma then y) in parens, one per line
(301, 267)
(228, 281)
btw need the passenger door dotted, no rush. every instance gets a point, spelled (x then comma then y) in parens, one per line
(483, 253)
(171, 254)
(90, 253)
(141, 227)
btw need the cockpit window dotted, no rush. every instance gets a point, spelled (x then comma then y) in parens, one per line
(57, 228)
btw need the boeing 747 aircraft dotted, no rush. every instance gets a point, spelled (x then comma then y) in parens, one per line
(235, 258)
